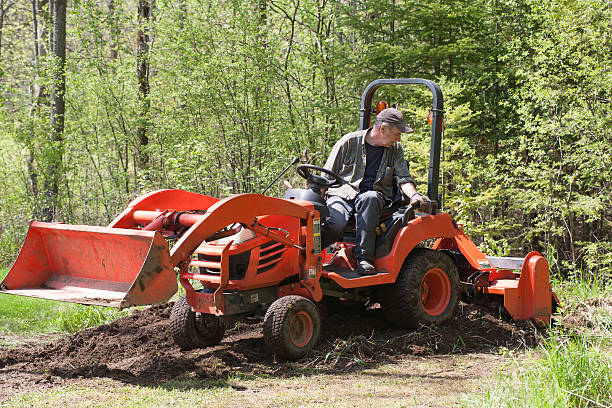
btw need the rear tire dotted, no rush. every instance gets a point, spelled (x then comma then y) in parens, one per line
(426, 290)
(192, 330)
(292, 327)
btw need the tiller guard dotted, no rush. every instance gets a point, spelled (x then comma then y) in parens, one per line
(92, 265)
(528, 296)
(522, 283)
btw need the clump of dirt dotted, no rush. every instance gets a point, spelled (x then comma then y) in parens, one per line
(139, 349)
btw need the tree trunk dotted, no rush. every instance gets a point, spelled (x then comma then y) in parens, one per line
(58, 109)
(4, 7)
(40, 24)
(182, 13)
(114, 30)
(143, 45)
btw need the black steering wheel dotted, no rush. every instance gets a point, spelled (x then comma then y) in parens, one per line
(319, 181)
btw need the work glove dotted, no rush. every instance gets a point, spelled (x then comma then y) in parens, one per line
(420, 202)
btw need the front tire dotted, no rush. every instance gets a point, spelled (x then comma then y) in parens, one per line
(292, 327)
(192, 330)
(426, 290)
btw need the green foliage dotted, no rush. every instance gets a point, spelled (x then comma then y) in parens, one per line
(494, 248)
(15, 206)
(566, 147)
(237, 89)
(82, 317)
(598, 260)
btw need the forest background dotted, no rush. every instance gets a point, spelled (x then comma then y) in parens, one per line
(217, 97)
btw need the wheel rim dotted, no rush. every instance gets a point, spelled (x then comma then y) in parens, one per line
(206, 325)
(300, 329)
(435, 291)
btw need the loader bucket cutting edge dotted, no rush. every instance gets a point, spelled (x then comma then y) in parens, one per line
(92, 265)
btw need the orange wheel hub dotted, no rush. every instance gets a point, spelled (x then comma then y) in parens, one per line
(301, 329)
(435, 291)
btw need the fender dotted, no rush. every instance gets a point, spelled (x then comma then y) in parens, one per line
(416, 231)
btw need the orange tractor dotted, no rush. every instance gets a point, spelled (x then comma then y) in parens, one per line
(251, 254)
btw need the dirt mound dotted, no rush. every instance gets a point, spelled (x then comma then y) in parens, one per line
(138, 348)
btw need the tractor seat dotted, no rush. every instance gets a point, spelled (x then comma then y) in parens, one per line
(389, 212)
(389, 224)
(308, 195)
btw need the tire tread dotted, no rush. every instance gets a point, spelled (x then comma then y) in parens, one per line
(277, 317)
(184, 331)
(401, 300)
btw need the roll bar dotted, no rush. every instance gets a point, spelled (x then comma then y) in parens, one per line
(433, 178)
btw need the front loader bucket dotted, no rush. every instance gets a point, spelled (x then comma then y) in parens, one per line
(92, 265)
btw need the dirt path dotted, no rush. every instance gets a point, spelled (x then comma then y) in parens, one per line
(137, 350)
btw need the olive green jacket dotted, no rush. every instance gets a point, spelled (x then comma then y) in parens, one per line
(348, 160)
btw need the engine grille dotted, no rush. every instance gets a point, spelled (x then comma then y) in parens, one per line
(270, 254)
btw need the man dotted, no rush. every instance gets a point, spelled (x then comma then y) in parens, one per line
(369, 161)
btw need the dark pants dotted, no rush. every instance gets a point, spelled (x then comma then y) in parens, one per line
(366, 207)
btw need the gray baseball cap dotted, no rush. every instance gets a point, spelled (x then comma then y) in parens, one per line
(393, 117)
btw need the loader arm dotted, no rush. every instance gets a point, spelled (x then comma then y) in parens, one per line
(178, 200)
(243, 209)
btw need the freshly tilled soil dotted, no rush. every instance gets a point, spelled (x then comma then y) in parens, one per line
(138, 349)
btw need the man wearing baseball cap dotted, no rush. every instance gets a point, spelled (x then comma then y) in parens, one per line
(369, 161)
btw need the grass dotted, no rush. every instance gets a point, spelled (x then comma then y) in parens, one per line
(22, 315)
(570, 372)
(80, 317)
(587, 308)
(573, 366)
(574, 291)
(96, 394)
